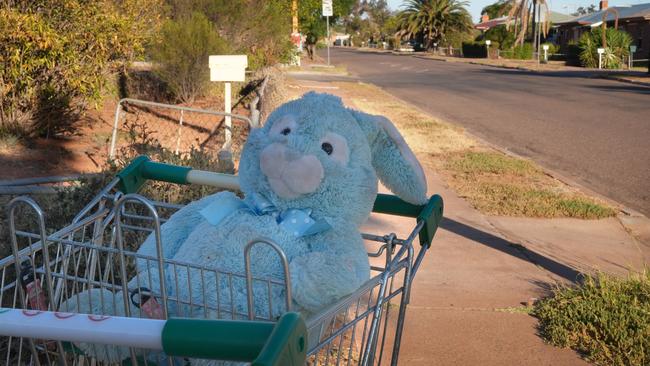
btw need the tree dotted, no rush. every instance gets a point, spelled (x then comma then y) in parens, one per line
(523, 13)
(182, 56)
(498, 9)
(370, 20)
(57, 55)
(431, 21)
(584, 11)
(258, 28)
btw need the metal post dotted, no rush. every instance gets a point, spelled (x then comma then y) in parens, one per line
(629, 62)
(600, 60)
(328, 40)
(227, 94)
(178, 135)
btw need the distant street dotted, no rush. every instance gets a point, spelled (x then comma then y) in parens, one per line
(593, 131)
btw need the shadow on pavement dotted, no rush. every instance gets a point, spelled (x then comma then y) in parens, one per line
(585, 74)
(513, 249)
(624, 88)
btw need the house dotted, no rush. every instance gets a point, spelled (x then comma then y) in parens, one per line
(487, 23)
(634, 19)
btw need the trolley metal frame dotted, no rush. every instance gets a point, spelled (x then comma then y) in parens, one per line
(98, 250)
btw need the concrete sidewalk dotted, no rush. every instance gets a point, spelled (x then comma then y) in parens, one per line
(467, 297)
(466, 302)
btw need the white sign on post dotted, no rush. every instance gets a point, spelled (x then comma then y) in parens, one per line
(328, 9)
(600, 57)
(632, 48)
(228, 68)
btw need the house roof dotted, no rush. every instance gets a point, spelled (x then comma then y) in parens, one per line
(556, 17)
(639, 11)
(491, 23)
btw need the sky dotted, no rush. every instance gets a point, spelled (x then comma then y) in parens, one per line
(560, 6)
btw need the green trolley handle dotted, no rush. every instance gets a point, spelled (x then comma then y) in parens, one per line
(262, 343)
(142, 169)
(259, 342)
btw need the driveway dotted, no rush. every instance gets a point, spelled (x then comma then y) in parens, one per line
(595, 132)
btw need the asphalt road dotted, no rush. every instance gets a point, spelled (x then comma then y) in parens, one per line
(595, 132)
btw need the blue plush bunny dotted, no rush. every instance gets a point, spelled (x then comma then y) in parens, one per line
(309, 177)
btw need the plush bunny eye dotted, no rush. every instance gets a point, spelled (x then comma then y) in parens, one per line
(327, 147)
(336, 146)
(283, 126)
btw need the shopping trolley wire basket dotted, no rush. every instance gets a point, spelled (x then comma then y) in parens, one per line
(99, 251)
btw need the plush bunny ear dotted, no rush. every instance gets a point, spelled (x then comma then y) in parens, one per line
(395, 164)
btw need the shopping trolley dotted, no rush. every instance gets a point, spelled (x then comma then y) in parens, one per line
(98, 250)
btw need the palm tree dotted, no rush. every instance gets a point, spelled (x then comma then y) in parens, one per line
(430, 21)
(525, 11)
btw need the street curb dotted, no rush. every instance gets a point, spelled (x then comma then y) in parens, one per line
(624, 213)
(604, 76)
(623, 80)
(627, 217)
(347, 75)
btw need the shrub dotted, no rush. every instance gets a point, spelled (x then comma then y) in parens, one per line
(606, 318)
(474, 50)
(258, 28)
(523, 52)
(182, 55)
(55, 55)
(618, 45)
(572, 52)
(552, 49)
(505, 37)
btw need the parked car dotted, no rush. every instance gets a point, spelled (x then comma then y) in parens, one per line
(417, 46)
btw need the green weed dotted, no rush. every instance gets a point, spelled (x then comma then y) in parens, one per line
(497, 184)
(606, 319)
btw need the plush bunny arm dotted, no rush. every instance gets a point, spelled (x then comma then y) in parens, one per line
(322, 277)
(176, 230)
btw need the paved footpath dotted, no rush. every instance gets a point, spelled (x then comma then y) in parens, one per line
(480, 268)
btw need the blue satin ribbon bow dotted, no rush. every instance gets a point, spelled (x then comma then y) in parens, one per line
(295, 221)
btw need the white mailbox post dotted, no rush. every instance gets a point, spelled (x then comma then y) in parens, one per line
(228, 68)
(545, 48)
(600, 57)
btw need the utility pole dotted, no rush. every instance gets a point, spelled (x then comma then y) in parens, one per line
(294, 16)
(327, 13)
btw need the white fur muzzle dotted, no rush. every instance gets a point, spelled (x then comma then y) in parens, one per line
(290, 173)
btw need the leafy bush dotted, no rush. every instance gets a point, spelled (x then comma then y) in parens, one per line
(258, 28)
(572, 51)
(55, 56)
(474, 50)
(618, 46)
(552, 49)
(606, 318)
(523, 52)
(182, 55)
(503, 36)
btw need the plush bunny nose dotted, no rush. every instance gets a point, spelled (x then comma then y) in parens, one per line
(289, 172)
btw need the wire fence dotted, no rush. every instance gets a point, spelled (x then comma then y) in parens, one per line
(176, 128)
